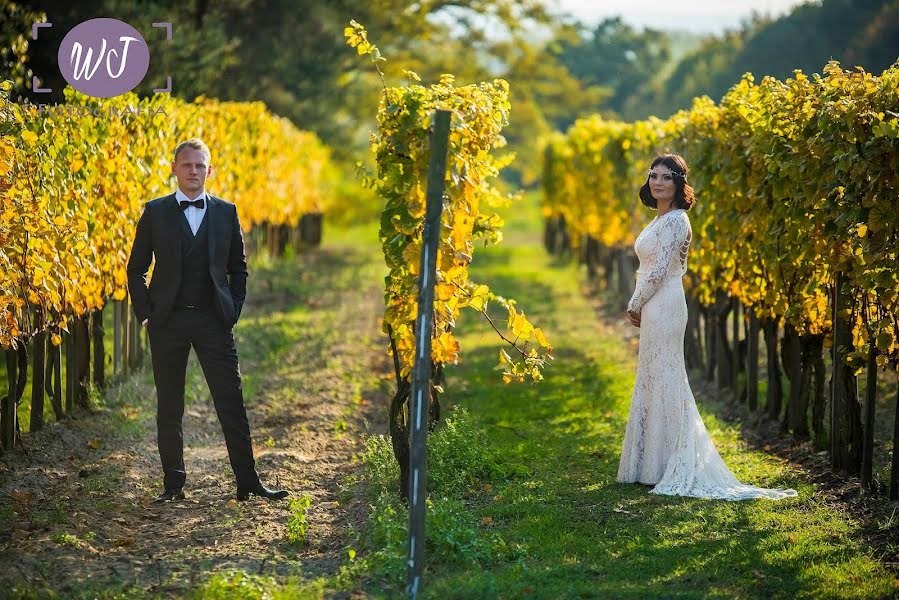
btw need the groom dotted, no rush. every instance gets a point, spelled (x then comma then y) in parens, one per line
(194, 299)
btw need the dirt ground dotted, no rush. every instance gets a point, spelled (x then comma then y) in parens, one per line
(77, 497)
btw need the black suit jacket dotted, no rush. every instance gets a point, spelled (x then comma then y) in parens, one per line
(159, 234)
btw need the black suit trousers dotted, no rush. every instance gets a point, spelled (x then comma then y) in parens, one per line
(170, 343)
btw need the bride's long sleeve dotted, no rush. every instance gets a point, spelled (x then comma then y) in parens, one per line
(673, 232)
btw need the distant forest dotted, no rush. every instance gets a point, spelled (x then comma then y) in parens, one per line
(861, 33)
(291, 55)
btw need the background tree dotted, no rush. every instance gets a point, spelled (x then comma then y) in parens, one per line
(15, 34)
(854, 32)
(290, 54)
(614, 55)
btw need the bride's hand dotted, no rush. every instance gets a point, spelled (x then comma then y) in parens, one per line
(634, 318)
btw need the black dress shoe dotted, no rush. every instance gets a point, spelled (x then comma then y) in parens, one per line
(169, 495)
(243, 493)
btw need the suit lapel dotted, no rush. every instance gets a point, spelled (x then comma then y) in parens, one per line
(212, 215)
(176, 215)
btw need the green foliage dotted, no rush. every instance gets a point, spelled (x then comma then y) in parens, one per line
(402, 150)
(296, 524)
(238, 585)
(774, 220)
(233, 585)
(459, 456)
(67, 539)
(459, 459)
(15, 36)
(381, 472)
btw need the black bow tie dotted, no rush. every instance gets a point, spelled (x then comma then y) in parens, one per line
(185, 203)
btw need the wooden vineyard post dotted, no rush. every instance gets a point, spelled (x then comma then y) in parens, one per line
(53, 377)
(69, 342)
(82, 360)
(626, 274)
(868, 428)
(845, 420)
(310, 230)
(774, 396)
(272, 240)
(752, 372)
(816, 383)
(591, 254)
(138, 342)
(116, 337)
(549, 223)
(736, 364)
(131, 355)
(123, 338)
(722, 308)
(838, 436)
(126, 339)
(791, 356)
(37, 381)
(294, 236)
(711, 342)
(894, 469)
(8, 421)
(420, 399)
(99, 350)
(563, 242)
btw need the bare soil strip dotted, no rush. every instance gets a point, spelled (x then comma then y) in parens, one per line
(75, 502)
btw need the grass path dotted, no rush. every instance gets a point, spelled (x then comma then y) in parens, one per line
(574, 531)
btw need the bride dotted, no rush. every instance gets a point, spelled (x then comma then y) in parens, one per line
(666, 443)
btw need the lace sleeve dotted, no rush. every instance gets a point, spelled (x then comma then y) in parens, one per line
(673, 234)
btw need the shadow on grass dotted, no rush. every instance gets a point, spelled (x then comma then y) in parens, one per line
(571, 530)
(579, 532)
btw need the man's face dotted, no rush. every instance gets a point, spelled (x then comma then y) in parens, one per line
(191, 170)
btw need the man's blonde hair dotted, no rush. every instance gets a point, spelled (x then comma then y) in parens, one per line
(196, 144)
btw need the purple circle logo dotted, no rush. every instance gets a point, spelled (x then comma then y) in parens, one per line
(103, 57)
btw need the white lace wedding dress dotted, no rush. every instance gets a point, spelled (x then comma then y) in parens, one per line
(666, 443)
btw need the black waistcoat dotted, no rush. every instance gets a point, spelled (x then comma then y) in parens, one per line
(196, 283)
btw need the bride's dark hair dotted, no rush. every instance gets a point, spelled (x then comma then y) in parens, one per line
(683, 193)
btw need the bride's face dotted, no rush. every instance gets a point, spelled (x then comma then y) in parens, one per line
(661, 184)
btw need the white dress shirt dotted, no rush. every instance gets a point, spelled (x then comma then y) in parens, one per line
(193, 214)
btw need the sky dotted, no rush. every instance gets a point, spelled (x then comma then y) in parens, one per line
(698, 16)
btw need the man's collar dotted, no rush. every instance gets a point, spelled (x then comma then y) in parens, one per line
(179, 195)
